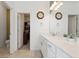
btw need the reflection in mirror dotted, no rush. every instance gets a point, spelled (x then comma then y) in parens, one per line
(73, 28)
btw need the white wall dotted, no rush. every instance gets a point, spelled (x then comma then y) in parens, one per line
(13, 31)
(2, 25)
(36, 26)
(68, 8)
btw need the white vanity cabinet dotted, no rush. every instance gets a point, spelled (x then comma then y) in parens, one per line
(47, 49)
(61, 54)
(43, 47)
(51, 50)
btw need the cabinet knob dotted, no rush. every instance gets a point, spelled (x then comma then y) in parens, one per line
(49, 45)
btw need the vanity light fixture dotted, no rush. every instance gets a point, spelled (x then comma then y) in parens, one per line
(53, 5)
(56, 5)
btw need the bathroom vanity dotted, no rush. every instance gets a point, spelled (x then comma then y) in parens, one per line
(58, 47)
(65, 42)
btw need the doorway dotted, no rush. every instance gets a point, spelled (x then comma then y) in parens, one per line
(23, 26)
(26, 32)
(72, 24)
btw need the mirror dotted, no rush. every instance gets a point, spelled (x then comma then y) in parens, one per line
(73, 25)
(69, 25)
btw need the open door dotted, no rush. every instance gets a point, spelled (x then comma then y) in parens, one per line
(23, 29)
(20, 25)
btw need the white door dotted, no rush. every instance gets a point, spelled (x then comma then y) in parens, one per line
(20, 26)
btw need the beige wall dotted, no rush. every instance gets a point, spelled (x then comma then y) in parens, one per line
(8, 22)
(27, 17)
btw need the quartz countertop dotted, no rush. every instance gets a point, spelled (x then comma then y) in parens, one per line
(70, 48)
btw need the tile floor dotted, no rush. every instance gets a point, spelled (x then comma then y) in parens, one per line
(24, 52)
(4, 53)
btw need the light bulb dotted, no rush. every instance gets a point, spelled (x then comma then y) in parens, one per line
(58, 5)
(53, 5)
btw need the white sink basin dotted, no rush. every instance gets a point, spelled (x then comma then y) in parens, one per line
(70, 40)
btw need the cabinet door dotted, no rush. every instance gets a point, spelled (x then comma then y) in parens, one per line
(61, 54)
(51, 50)
(43, 47)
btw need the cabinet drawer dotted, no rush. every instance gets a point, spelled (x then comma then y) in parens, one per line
(44, 47)
(51, 50)
(50, 53)
(51, 47)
